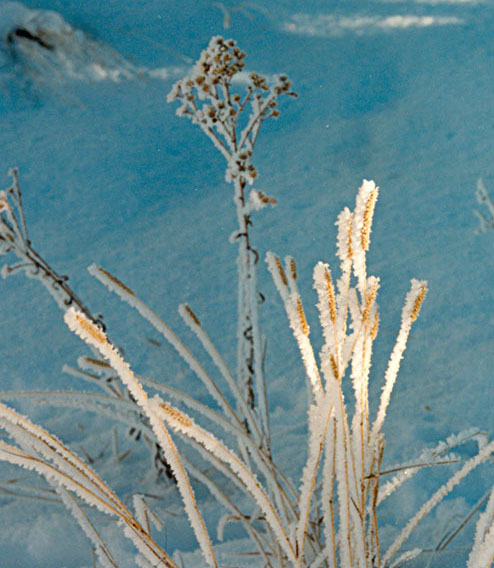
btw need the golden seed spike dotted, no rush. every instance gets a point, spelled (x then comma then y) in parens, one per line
(369, 302)
(303, 319)
(368, 213)
(375, 327)
(334, 367)
(195, 319)
(116, 281)
(293, 268)
(418, 303)
(281, 272)
(175, 414)
(91, 329)
(331, 296)
(349, 242)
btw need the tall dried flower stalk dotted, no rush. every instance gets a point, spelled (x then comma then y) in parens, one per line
(232, 121)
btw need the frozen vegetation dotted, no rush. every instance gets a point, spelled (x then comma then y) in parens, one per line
(276, 456)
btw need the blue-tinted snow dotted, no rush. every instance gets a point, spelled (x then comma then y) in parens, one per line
(397, 91)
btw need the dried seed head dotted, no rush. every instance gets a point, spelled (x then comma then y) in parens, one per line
(266, 198)
(192, 315)
(334, 367)
(418, 302)
(90, 328)
(331, 295)
(176, 415)
(115, 280)
(375, 326)
(303, 319)
(367, 222)
(369, 301)
(349, 239)
(281, 272)
(292, 265)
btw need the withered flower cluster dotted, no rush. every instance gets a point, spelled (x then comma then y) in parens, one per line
(207, 98)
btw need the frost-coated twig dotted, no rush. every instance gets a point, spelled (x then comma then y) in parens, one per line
(14, 238)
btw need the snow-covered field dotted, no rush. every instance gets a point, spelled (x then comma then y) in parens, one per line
(395, 91)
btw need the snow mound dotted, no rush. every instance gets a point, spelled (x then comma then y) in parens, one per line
(44, 47)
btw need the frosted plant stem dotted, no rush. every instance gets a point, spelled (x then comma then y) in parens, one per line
(49, 446)
(17, 456)
(222, 468)
(327, 496)
(472, 463)
(92, 335)
(260, 381)
(102, 552)
(249, 362)
(183, 423)
(343, 485)
(225, 500)
(410, 312)
(193, 322)
(482, 554)
(319, 419)
(129, 297)
(288, 291)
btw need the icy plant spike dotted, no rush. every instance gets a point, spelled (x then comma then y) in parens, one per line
(353, 446)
